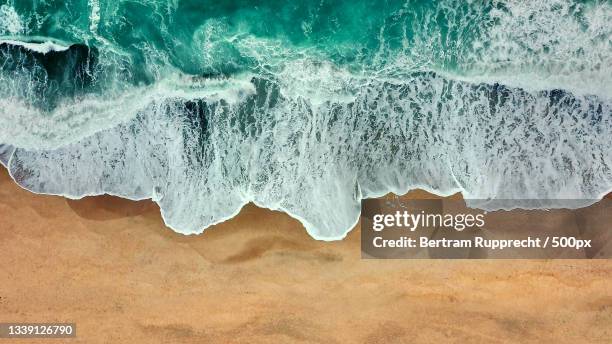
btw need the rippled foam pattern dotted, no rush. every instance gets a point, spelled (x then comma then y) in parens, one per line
(307, 106)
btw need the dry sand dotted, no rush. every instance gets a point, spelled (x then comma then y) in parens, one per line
(111, 266)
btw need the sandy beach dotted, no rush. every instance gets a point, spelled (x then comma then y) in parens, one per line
(113, 268)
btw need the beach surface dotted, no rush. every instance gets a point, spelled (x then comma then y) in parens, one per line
(112, 267)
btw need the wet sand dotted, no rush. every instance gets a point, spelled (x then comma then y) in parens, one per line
(111, 266)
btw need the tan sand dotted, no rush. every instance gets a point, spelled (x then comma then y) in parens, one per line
(111, 266)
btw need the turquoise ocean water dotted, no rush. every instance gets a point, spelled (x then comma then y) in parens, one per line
(307, 106)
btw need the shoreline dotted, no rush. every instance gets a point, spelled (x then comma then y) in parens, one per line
(411, 194)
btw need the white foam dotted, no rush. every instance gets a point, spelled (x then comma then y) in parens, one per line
(26, 126)
(316, 162)
(10, 21)
(318, 137)
(6, 151)
(548, 44)
(42, 48)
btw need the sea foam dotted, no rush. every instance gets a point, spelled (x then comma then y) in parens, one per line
(506, 102)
